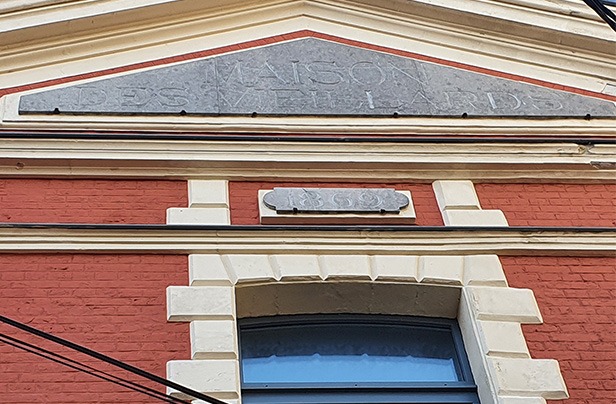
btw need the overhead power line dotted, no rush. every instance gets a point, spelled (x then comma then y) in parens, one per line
(602, 11)
(110, 360)
(73, 364)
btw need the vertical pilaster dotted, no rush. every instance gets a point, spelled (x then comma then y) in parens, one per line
(208, 203)
(459, 205)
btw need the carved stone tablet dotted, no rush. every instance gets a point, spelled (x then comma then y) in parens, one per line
(312, 77)
(335, 200)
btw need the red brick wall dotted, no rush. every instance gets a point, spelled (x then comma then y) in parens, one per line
(114, 304)
(245, 209)
(552, 204)
(89, 201)
(577, 299)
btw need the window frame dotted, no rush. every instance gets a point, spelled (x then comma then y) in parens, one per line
(459, 392)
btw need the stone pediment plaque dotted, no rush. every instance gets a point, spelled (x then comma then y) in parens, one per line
(312, 77)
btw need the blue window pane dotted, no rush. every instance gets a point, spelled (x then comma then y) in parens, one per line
(348, 353)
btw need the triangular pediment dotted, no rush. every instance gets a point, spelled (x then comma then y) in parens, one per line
(313, 77)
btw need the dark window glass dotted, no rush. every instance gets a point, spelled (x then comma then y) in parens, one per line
(354, 359)
(348, 353)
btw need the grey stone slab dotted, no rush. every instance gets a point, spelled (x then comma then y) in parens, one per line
(335, 200)
(312, 77)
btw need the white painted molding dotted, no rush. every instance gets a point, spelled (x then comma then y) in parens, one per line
(207, 241)
(344, 161)
(160, 28)
(489, 316)
(459, 205)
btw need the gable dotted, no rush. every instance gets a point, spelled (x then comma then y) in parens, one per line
(313, 77)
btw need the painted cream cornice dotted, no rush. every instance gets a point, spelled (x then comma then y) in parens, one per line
(118, 35)
(574, 128)
(344, 161)
(10, 120)
(289, 241)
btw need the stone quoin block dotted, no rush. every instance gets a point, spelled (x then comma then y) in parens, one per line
(504, 339)
(444, 269)
(188, 303)
(204, 376)
(528, 377)
(254, 267)
(395, 267)
(297, 266)
(485, 270)
(504, 304)
(213, 338)
(207, 269)
(345, 266)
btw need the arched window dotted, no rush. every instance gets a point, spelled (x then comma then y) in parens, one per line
(354, 359)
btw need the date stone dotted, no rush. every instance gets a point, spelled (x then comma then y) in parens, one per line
(335, 200)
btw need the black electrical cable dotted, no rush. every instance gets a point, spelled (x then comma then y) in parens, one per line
(87, 368)
(81, 367)
(605, 13)
(303, 138)
(110, 360)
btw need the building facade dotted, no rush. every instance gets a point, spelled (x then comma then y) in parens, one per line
(171, 170)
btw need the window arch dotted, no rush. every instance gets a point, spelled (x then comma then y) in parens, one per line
(354, 359)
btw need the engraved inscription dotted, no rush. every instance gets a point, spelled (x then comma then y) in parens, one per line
(313, 77)
(335, 200)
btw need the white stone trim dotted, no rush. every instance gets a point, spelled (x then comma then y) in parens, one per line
(574, 243)
(212, 160)
(489, 312)
(208, 194)
(188, 303)
(169, 28)
(456, 195)
(219, 377)
(208, 203)
(213, 339)
(423, 28)
(198, 216)
(459, 205)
